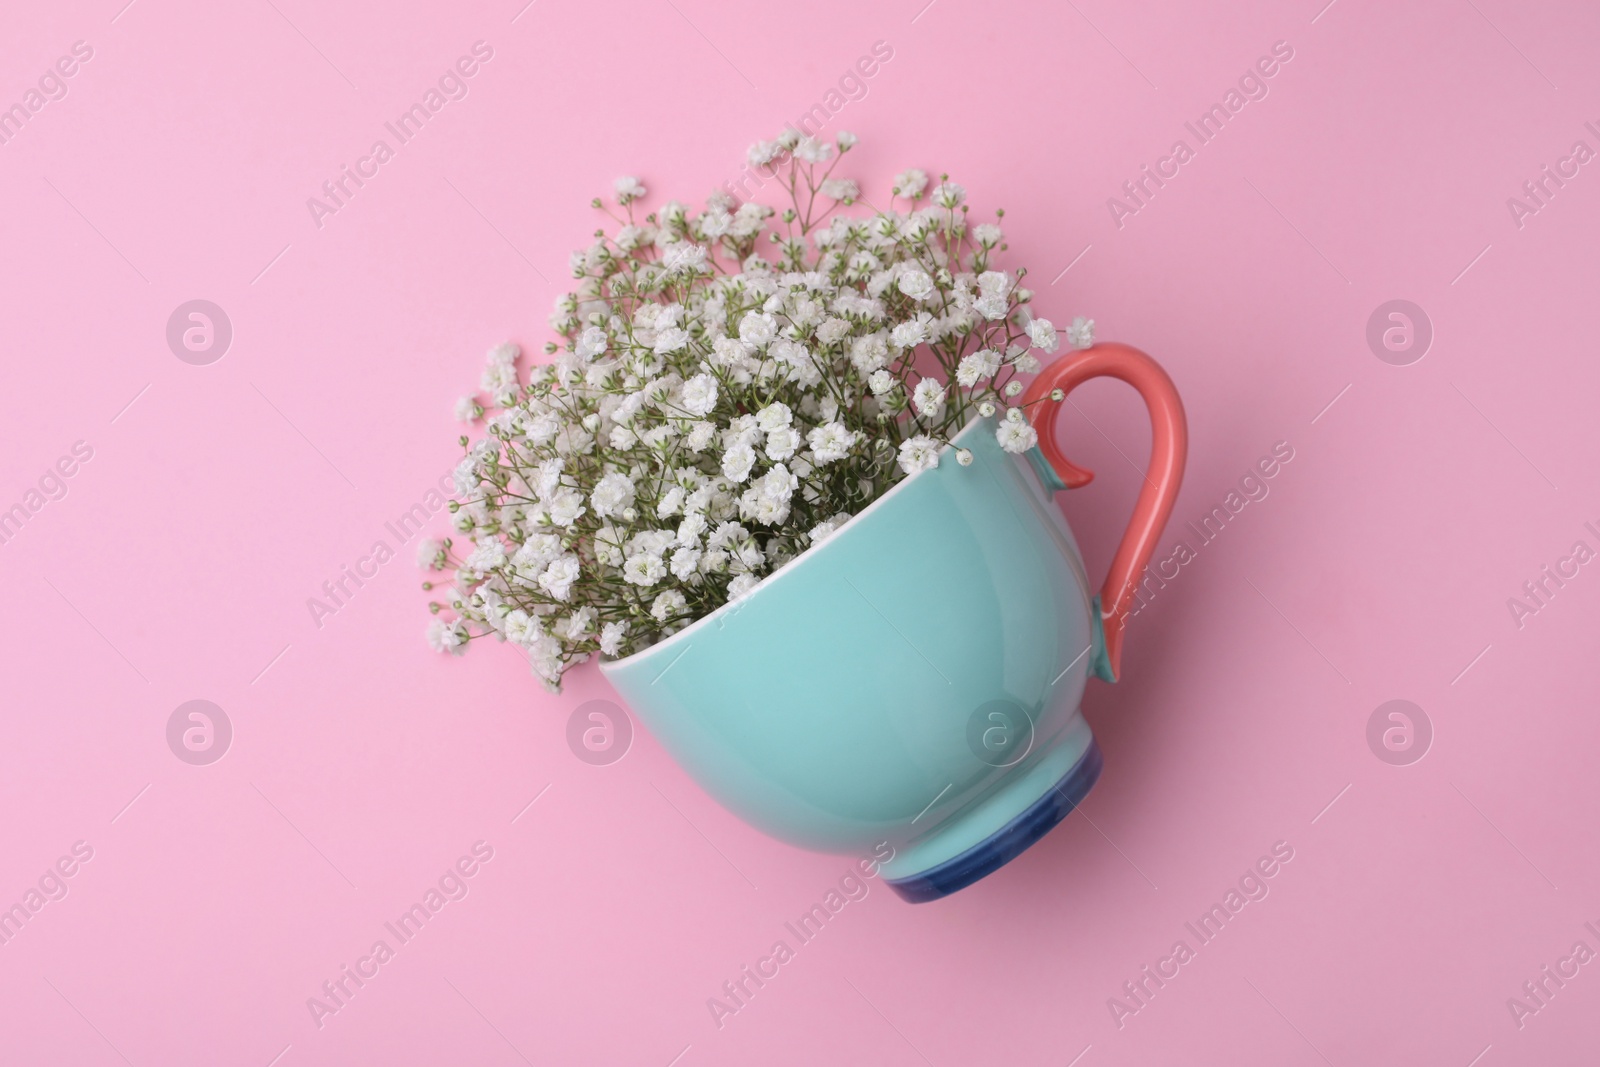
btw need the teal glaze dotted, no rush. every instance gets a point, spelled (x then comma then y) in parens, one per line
(830, 706)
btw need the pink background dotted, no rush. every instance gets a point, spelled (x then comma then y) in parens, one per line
(219, 898)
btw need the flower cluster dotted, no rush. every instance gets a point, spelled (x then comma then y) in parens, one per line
(730, 387)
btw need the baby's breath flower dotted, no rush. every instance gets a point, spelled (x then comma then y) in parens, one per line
(737, 461)
(628, 189)
(928, 398)
(724, 390)
(644, 569)
(448, 637)
(916, 284)
(667, 605)
(911, 183)
(1016, 436)
(841, 189)
(1081, 333)
(919, 453)
(1042, 334)
(611, 636)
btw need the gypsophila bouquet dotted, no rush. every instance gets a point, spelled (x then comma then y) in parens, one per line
(711, 413)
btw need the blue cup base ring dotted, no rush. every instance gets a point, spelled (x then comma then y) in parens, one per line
(1008, 842)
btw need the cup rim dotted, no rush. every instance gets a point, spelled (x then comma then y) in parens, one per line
(739, 604)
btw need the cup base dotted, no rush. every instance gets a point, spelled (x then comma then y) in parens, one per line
(1008, 842)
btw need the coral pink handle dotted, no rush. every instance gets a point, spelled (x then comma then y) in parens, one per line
(1168, 450)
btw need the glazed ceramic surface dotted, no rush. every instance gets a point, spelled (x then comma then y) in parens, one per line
(832, 706)
(914, 679)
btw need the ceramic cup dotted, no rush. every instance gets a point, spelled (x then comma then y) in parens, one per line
(916, 678)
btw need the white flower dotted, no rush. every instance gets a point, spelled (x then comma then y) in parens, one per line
(700, 396)
(758, 507)
(667, 605)
(611, 495)
(497, 377)
(1081, 333)
(536, 553)
(869, 353)
(644, 569)
(911, 183)
(430, 554)
(912, 333)
(774, 416)
(813, 151)
(486, 555)
(737, 461)
(757, 328)
(991, 306)
(994, 283)
(716, 385)
(976, 367)
(447, 636)
(1042, 334)
(782, 443)
(671, 502)
(742, 430)
(466, 476)
(831, 441)
(671, 339)
(630, 237)
(727, 533)
(521, 628)
(833, 331)
(557, 578)
(1016, 435)
(685, 562)
(916, 284)
(548, 661)
(576, 627)
(608, 546)
(591, 343)
(841, 189)
(689, 530)
(920, 453)
(825, 529)
(777, 484)
(762, 153)
(682, 257)
(700, 436)
(611, 635)
(628, 189)
(566, 507)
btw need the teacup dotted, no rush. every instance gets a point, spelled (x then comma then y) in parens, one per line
(916, 678)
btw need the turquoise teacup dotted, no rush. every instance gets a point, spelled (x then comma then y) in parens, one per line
(916, 677)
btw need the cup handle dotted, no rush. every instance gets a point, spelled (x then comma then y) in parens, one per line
(1168, 450)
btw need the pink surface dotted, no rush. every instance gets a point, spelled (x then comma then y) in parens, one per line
(220, 497)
